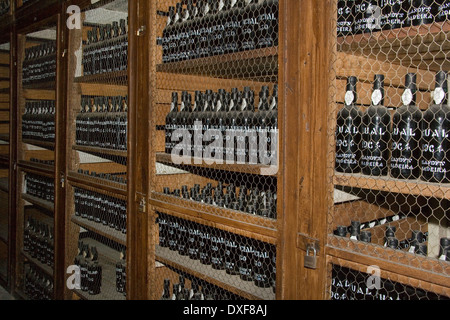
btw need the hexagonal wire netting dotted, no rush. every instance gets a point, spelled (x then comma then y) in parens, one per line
(389, 140)
(215, 136)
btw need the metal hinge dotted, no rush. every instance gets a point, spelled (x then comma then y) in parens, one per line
(142, 200)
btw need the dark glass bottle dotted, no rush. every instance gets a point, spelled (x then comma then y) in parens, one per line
(84, 269)
(231, 125)
(182, 237)
(231, 257)
(249, 26)
(393, 14)
(348, 132)
(207, 121)
(262, 264)
(435, 163)
(406, 134)
(345, 18)
(247, 148)
(217, 249)
(245, 259)
(166, 290)
(194, 240)
(267, 23)
(444, 249)
(442, 10)
(376, 133)
(197, 126)
(421, 12)
(171, 122)
(205, 245)
(94, 273)
(163, 230)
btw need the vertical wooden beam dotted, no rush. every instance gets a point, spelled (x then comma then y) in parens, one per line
(138, 177)
(306, 77)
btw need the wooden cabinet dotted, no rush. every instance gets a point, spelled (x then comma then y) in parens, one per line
(222, 219)
(410, 206)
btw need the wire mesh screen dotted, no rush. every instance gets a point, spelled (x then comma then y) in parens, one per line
(389, 145)
(97, 143)
(214, 126)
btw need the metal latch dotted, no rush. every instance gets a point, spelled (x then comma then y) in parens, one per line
(140, 31)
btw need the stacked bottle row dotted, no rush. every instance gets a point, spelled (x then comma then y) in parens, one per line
(121, 273)
(253, 201)
(250, 259)
(39, 64)
(102, 122)
(417, 243)
(199, 290)
(212, 27)
(38, 241)
(100, 208)
(46, 162)
(411, 144)
(38, 121)
(37, 284)
(90, 269)
(40, 187)
(360, 16)
(5, 5)
(225, 126)
(116, 177)
(106, 48)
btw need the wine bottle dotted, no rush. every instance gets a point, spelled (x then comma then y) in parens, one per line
(345, 18)
(406, 134)
(435, 163)
(171, 122)
(245, 259)
(348, 132)
(376, 133)
(422, 12)
(267, 23)
(166, 290)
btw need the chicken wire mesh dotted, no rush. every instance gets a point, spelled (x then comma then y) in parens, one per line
(389, 144)
(97, 143)
(214, 133)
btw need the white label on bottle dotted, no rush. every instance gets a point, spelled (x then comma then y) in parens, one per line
(372, 224)
(273, 103)
(244, 104)
(407, 97)
(376, 97)
(382, 221)
(233, 3)
(412, 249)
(353, 238)
(439, 95)
(395, 218)
(219, 105)
(349, 96)
(443, 257)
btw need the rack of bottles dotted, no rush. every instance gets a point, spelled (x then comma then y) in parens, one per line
(102, 268)
(355, 17)
(39, 65)
(211, 28)
(97, 144)
(389, 140)
(214, 118)
(38, 121)
(37, 285)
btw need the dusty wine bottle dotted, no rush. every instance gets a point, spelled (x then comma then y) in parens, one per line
(376, 133)
(171, 122)
(345, 17)
(348, 132)
(435, 161)
(406, 134)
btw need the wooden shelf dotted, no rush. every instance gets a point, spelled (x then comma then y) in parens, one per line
(4, 137)
(30, 165)
(39, 143)
(201, 163)
(117, 77)
(48, 85)
(220, 278)
(101, 152)
(44, 267)
(43, 204)
(254, 64)
(242, 223)
(101, 229)
(424, 46)
(97, 183)
(388, 184)
(397, 261)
